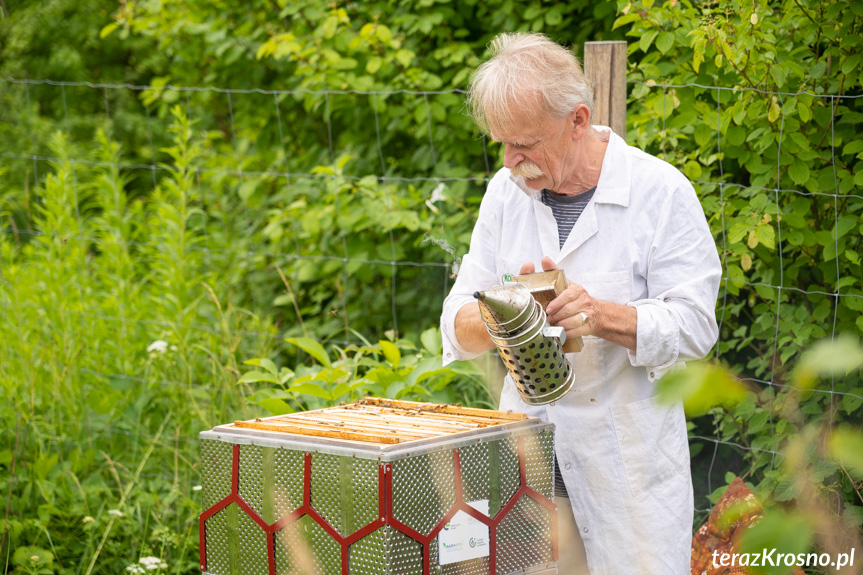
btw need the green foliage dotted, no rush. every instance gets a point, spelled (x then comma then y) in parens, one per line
(812, 491)
(782, 145)
(85, 442)
(774, 157)
(209, 225)
(391, 369)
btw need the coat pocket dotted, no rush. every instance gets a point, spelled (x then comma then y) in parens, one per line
(652, 441)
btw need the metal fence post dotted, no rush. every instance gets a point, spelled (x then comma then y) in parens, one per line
(605, 68)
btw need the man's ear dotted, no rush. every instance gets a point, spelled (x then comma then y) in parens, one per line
(580, 118)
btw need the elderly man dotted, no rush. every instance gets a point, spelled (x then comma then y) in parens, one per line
(643, 275)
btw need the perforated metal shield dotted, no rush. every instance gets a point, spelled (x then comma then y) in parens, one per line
(533, 356)
(272, 510)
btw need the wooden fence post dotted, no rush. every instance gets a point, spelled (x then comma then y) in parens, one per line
(605, 69)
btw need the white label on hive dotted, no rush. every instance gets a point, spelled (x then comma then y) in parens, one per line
(464, 537)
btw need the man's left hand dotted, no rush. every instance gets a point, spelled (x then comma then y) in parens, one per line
(580, 314)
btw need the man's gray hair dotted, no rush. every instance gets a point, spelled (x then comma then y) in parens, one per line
(527, 74)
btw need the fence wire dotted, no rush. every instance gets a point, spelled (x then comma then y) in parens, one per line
(43, 163)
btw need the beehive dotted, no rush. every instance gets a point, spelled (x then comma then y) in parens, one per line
(379, 487)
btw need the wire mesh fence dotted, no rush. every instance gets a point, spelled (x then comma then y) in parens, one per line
(253, 147)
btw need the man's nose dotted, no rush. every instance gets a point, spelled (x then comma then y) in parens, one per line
(510, 157)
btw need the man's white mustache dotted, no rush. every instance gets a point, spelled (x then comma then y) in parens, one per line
(528, 170)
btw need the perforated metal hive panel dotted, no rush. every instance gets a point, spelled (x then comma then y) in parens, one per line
(283, 503)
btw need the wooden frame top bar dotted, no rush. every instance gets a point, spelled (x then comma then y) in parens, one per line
(384, 421)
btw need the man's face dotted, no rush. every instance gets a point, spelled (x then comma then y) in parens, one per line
(536, 149)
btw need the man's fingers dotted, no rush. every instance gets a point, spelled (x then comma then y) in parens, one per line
(548, 264)
(527, 268)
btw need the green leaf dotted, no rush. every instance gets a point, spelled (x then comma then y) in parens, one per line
(735, 135)
(665, 41)
(787, 533)
(817, 70)
(405, 57)
(646, 40)
(23, 557)
(275, 406)
(330, 26)
(345, 64)
(846, 448)
(851, 63)
(384, 34)
(391, 352)
(799, 172)
(737, 232)
(853, 147)
(826, 358)
(253, 376)
(554, 16)
(773, 112)
(779, 74)
(311, 347)
(850, 403)
(766, 235)
(431, 340)
(106, 31)
(373, 65)
(845, 225)
(700, 386)
(692, 169)
(626, 19)
(265, 363)
(804, 111)
(313, 388)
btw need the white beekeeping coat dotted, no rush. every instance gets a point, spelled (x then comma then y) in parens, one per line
(642, 241)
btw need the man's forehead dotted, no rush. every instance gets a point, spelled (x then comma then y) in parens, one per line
(520, 128)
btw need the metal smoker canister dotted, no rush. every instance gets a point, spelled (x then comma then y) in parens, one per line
(529, 347)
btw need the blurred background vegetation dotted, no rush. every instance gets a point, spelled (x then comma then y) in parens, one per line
(217, 210)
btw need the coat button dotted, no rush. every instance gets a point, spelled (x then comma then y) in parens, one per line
(551, 404)
(567, 466)
(652, 375)
(585, 529)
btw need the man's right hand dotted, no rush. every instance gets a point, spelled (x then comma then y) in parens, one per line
(470, 330)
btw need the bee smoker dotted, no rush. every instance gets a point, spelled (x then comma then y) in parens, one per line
(529, 346)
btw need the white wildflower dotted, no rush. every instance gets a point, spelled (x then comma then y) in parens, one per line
(436, 196)
(152, 563)
(158, 345)
(135, 568)
(197, 488)
(115, 512)
(34, 558)
(437, 193)
(87, 519)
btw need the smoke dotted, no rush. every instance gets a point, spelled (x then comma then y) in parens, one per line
(442, 244)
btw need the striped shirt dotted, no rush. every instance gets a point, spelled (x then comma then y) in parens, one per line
(566, 210)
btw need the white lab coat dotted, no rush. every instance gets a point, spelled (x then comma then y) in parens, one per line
(643, 241)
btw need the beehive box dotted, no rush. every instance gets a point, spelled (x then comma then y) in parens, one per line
(379, 487)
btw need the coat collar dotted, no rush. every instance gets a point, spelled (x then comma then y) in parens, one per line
(614, 178)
